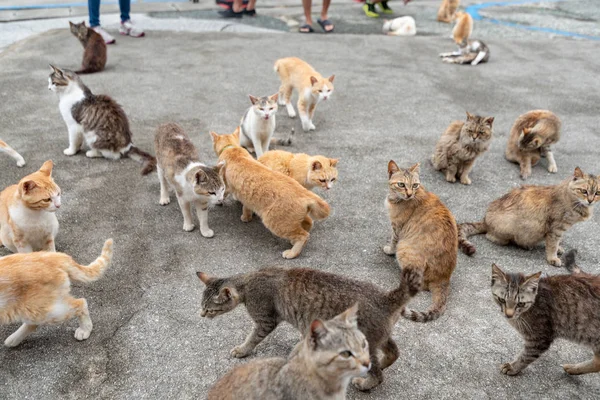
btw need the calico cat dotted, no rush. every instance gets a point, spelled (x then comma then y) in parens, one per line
(474, 52)
(179, 168)
(310, 85)
(531, 214)
(5, 148)
(530, 139)
(96, 118)
(320, 366)
(284, 206)
(460, 145)
(258, 125)
(401, 26)
(309, 171)
(424, 237)
(27, 219)
(543, 309)
(34, 290)
(447, 10)
(94, 48)
(300, 295)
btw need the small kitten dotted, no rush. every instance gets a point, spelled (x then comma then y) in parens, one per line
(5, 148)
(531, 214)
(27, 219)
(300, 295)
(284, 206)
(401, 26)
(474, 52)
(310, 85)
(460, 145)
(258, 125)
(424, 237)
(447, 10)
(530, 139)
(94, 48)
(34, 290)
(309, 171)
(96, 118)
(543, 309)
(179, 168)
(320, 366)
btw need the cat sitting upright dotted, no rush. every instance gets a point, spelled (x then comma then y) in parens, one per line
(94, 48)
(5, 148)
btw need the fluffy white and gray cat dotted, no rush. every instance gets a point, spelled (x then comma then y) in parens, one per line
(402, 26)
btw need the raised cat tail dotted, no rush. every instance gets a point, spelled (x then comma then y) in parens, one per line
(317, 207)
(469, 229)
(411, 281)
(570, 262)
(146, 159)
(439, 292)
(92, 272)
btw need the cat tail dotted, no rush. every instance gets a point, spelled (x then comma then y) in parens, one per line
(87, 70)
(92, 272)
(466, 230)
(439, 292)
(570, 262)
(287, 141)
(411, 281)
(318, 208)
(146, 159)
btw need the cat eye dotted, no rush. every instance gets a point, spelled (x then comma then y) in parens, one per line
(583, 191)
(346, 354)
(322, 180)
(400, 184)
(271, 108)
(212, 193)
(520, 305)
(502, 301)
(48, 199)
(416, 185)
(333, 179)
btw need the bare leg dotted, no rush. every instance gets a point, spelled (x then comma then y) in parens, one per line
(164, 188)
(237, 5)
(585, 367)
(202, 211)
(257, 335)
(307, 5)
(19, 335)
(530, 353)
(186, 210)
(552, 244)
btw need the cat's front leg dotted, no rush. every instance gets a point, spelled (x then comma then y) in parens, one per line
(261, 330)
(75, 140)
(246, 214)
(23, 248)
(258, 147)
(532, 351)
(50, 245)
(304, 118)
(202, 211)
(164, 187)
(525, 165)
(311, 113)
(552, 167)
(552, 246)
(390, 248)
(451, 173)
(464, 176)
(186, 210)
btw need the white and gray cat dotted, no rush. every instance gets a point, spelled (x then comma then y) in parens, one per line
(258, 125)
(401, 26)
(473, 52)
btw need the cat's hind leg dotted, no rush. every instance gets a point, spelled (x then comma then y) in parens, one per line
(374, 376)
(496, 239)
(261, 330)
(93, 153)
(111, 155)
(164, 187)
(80, 308)
(390, 353)
(585, 367)
(19, 335)
(479, 57)
(285, 94)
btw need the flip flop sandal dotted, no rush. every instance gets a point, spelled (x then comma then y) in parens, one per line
(307, 29)
(325, 23)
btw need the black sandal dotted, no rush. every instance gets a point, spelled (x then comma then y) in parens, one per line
(325, 23)
(307, 29)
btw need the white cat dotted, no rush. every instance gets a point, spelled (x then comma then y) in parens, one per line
(402, 26)
(258, 124)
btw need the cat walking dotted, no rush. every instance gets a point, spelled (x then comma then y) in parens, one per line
(5, 148)
(258, 125)
(94, 48)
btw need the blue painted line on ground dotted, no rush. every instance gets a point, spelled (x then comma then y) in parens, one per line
(82, 4)
(474, 11)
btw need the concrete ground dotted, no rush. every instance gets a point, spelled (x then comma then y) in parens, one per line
(393, 100)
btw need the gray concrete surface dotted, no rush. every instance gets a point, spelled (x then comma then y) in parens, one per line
(393, 99)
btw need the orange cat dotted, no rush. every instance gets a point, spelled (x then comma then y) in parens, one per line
(447, 10)
(27, 219)
(34, 290)
(284, 206)
(463, 28)
(309, 171)
(310, 85)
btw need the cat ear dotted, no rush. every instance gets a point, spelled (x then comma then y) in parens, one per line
(200, 177)
(469, 116)
(351, 315)
(392, 168)
(220, 165)
(316, 165)
(317, 331)
(526, 131)
(253, 99)
(415, 168)
(71, 24)
(55, 69)
(29, 186)
(497, 274)
(203, 277)
(274, 97)
(333, 161)
(227, 293)
(331, 78)
(313, 80)
(47, 168)
(531, 282)
(214, 136)
(489, 121)
(578, 174)
(236, 133)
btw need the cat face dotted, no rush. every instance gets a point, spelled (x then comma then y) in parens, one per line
(529, 140)
(264, 107)
(585, 187)
(322, 89)
(60, 79)
(79, 30)
(338, 347)
(220, 142)
(38, 190)
(208, 182)
(217, 298)
(477, 129)
(322, 171)
(514, 293)
(403, 183)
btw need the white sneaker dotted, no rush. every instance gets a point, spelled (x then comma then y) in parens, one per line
(127, 28)
(108, 39)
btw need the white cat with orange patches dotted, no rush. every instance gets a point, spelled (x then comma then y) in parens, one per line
(5, 148)
(27, 219)
(312, 88)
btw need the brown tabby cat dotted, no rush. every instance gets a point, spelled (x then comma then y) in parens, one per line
(530, 139)
(284, 206)
(27, 219)
(320, 366)
(34, 290)
(543, 309)
(94, 48)
(531, 214)
(300, 295)
(5, 148)
(424, 237)
(309, 171)
(460, 145)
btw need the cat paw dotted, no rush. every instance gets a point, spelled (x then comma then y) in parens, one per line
(164, 202)
(291, 113)
(207, 233)
(560, 251)
(552, 169)
(245, 218)
(555, 262)
(311, 126)
(507, 369)
(465, 180)
(289, 254)
(82, 334)
(239, 352)
(451, 179)
(69, 152)
(93, 154)
(188, 227)
(525, 175)
(364, 384)
(387, 249)
(572, 369)
(12, 341)
(21, 162)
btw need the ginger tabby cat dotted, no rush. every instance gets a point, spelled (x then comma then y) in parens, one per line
(447, 10)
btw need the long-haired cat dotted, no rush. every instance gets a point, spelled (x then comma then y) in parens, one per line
(34, 290)
(27, 213)
(309, 171)
(5, 148)
(531, 214)
(300, 295)
(179, 168)
(447, 10)
(531, 136)
(543, 309)
(96, 118)
(401, 26)
(94, 48)
(460, 145)
(424, 237)
(258, 125)
(320, 366)
(474, 52)
(312, 88)
(284, 206)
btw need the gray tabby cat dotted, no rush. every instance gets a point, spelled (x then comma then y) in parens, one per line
(543, 309)
(179, 168)
(258, 125)
(300, 295)
(97, 119)
(474, 52)
(320, 366)
(460, 145)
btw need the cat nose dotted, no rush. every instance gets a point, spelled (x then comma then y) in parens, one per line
(366, 364)
(509, 313)
(203, 313)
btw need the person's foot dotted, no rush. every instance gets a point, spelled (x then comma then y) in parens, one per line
(326, 24)
(369, 9)
(127, 28)
(385, 8)
(306, 28)
(250, 13)
(229, 13)
(108, 38)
